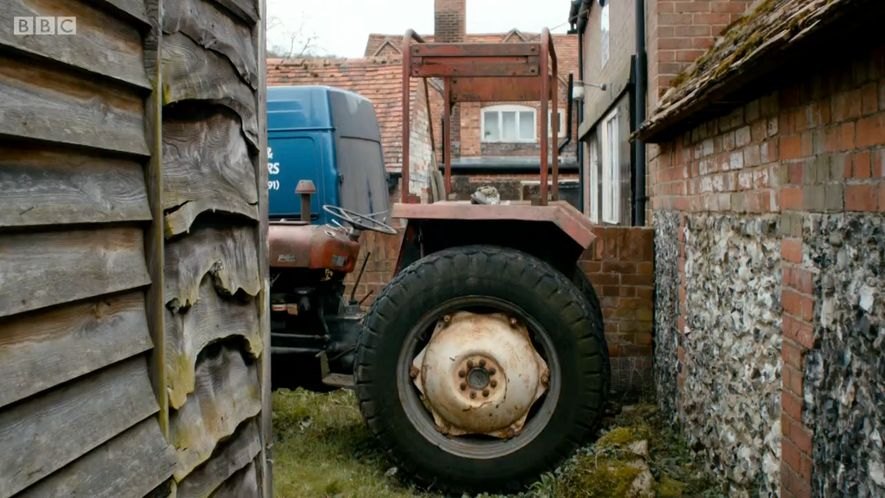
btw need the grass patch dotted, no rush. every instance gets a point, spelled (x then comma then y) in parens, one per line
(322, 448)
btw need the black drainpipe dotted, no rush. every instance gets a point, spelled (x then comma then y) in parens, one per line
(568, 114)
(579, 153)
(639, 104)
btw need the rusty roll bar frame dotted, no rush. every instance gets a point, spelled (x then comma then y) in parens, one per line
(476, 72)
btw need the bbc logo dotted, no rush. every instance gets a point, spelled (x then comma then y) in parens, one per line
(44, 25)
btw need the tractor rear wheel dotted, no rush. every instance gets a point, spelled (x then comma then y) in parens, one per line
(480, 368)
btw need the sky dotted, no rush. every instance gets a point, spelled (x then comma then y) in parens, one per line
(341, 27)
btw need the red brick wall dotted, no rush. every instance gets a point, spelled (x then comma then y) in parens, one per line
(680, 31)
(814, 146)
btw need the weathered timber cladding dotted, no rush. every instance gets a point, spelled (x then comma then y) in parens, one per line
(225, 383)
(228, 255)
(103, 45)
(45, 348)
(206, 167)
(193, 73)
(213, 176)
(42, 434)
(129, 465)
(94, 298)
(50, 268)
(39, 186)
(231, 456)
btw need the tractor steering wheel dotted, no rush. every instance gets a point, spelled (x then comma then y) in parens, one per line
(358, 220)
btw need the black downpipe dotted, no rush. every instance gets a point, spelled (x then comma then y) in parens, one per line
(568, 114)
(639, 116)
(579, 153)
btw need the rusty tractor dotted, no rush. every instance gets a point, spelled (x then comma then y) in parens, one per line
(483, 363)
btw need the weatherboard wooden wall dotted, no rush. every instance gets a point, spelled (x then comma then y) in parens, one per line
(133, 286)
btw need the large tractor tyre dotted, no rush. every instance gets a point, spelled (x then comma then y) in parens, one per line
(579, 278)
(479, 368)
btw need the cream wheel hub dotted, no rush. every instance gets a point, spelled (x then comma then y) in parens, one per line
(480, 374)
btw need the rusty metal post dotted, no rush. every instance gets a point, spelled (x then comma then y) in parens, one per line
(545, 96)
(554, 97)
(447, 137)
(406, 114)
(554, 121)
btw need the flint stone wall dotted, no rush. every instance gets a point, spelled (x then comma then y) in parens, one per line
(844, 388)
(729, 404)
(666, 369)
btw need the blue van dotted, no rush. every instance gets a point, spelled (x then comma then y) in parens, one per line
(329, 136)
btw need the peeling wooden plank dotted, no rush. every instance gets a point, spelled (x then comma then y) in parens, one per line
(235, 454)
(209, 320)
(247, 10)
(47, 104)
(103, 45)
(241, 485)
(43, 434)
(41, 187)
(193, 73)
(43, 269)
(214, 30)
(131, 464)
(229, 255)
(227, 393)
(44, 349)
(206, 168)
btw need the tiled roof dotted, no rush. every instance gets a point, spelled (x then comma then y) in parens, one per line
(377, 79)
(767, 31)
(566, 45)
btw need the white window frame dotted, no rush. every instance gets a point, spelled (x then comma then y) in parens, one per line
(508, 108)
(593, 192)
(611, 181)
(561, 131)
(605, 32)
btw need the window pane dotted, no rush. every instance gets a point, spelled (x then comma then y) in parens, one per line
(490, 122)
(508, 126)
(593, 194)
(526, 125)
(611, 173)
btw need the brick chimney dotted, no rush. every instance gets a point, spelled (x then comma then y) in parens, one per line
(449, 20)
(680, 32)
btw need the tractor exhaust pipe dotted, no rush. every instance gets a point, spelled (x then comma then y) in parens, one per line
(305, 189)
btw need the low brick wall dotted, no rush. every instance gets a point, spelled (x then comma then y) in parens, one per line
(620, 266)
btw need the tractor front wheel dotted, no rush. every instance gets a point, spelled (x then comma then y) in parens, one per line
(480, 368)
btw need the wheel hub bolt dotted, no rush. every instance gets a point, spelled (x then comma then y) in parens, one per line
(469, 363)
(463, 386)
(462, 373)
(473, 395)
(485, 393)
(482, 363)
(493, 371)
(494, 383)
